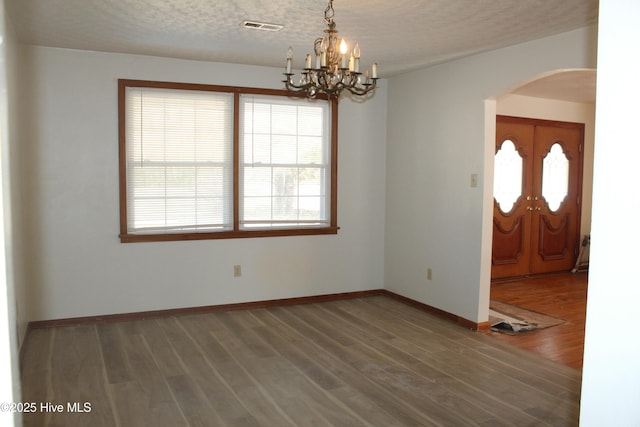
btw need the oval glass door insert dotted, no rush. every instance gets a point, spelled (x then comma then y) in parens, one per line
(507, 180)
(555, 177)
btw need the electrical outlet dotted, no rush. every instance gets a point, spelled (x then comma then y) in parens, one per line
(429, 274)
(237, 270)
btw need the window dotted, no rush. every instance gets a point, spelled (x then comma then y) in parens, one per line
(507, 181)
(207, 162)
(284, 163)
(555, 177)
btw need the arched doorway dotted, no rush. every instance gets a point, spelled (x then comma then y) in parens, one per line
(560, 95)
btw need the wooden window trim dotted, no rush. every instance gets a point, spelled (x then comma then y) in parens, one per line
(126, 237)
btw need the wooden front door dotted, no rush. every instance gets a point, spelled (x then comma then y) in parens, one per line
(537, 191)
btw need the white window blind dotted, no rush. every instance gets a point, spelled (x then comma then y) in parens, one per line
(179, 160)
(284, 162)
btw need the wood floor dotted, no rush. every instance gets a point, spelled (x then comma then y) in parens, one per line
(558, 295)
(371, 361)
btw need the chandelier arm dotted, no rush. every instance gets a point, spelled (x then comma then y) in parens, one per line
(339, 82)
(363, 90)
(320, 82)
(327, 83)
(292, 87)
(352, 80)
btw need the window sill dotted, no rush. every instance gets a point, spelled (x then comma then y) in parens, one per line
(172, 237)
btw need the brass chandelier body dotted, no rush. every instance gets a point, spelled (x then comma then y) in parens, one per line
(333, 70)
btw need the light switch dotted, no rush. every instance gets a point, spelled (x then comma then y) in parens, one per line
(474, 180)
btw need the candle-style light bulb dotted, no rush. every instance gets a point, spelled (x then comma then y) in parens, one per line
(374, 70)
(289, 59)
(323, 53)
(356, 51)
(356, 58)
(343, 54)
(343, 47)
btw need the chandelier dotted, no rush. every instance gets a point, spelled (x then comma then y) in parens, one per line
(333, 69)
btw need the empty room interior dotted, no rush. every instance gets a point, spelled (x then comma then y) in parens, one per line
(312, 212)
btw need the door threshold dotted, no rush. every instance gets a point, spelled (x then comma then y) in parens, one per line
(538, 275)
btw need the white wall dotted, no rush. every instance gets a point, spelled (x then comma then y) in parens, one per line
(70, 206)
(549, 109)
(20, 263)
(436, 141)
(9, 319)
(611, 370)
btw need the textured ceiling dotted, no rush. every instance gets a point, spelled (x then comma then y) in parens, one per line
(400, 35)
(565, 85)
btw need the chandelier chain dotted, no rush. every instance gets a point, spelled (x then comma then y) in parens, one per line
(329, 13)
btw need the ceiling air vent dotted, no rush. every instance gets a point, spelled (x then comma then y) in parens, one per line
(261, 26)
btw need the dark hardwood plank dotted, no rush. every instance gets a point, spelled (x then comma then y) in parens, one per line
(502, 389)
(140, 393)
(560, 295)
(146, 404)
(334, 357)
(296, 396)
(159, 346)
(194, 403)
(368, 361)
(388, 367)
(332, 378)
(36, 374)
(458, 388)
(493, 352)
(203, 380)
(74, 376)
